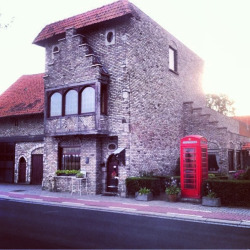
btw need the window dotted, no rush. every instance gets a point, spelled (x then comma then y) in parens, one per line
(55, 49)
(56, 104)
(172, 59)
(80, 100)
(112, 146)
(110, 37)
(212, 162)
(230, 160)
(71, 102)
(104, 99)
(70, 158)
(238, 160)
(88, 100)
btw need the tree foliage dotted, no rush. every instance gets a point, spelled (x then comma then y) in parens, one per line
(221, 103)
(4, 24)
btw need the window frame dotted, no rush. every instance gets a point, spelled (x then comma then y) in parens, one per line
(175, 60)
(104, 99)
(60, 156)
(231, 160)
(98, 100)
(49, 104)
(65, 102)
(81, 103)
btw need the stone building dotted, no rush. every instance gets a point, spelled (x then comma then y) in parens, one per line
(22, 131)
(119, 94)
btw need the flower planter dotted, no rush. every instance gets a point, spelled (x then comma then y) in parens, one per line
(66, 175)
(172, 197)
(143, 197)
(211, 202)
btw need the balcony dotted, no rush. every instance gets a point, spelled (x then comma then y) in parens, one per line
(76, 125)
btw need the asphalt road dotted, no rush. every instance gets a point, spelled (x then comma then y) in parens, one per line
(26, 225)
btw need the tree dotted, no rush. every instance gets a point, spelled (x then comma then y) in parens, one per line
(4, 24)
(220, 103)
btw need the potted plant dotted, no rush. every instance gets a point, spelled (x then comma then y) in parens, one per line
(211, 198)
(67, 172)
(79, 175)
(144, 194)
(172, 190)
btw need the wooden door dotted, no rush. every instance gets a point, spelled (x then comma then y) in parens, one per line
(37, 169)
(22, 171)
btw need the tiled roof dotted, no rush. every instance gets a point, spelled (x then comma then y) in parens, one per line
(245, 119)
(24, 97)
(105, 13)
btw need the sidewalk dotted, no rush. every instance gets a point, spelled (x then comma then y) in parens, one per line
(179, 210)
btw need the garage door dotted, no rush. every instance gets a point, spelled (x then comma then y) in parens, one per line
(7, 156)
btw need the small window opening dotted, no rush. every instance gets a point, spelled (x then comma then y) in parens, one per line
(110, 36)
(55, 49)
(172, 59)
(112, 146)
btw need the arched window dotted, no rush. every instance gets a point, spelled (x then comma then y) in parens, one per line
(56, 104)
(88, 100)
(71, 102)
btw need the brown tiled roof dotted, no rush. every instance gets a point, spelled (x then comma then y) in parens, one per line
(105, 13)
(24, 97)
(245, 119)
(244, 125)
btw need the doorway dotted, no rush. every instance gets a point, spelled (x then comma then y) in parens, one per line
(22, 171)
(7, 162)
(37, 169)
(112, 174)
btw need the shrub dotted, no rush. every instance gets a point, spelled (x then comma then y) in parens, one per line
(211, 176)
(144, 191)
(239, 175)
(246, 175)
(172, 187)
(231, 192)
(134, 184)
(157, 184)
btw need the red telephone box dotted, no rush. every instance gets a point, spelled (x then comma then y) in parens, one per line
(194, 165)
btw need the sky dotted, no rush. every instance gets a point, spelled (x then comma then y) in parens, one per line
(216, 30)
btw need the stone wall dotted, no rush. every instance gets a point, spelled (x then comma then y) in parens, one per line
(157, 94)
(26, 150)
(22, 126)
(221, 132)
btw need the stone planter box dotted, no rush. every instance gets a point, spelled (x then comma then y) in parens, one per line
(172, 197)
(211, 202)
(143, 197)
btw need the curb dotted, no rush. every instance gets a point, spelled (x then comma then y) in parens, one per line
(97, 206)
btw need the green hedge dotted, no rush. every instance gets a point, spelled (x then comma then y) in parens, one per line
(133, 184)
(231, 192)
(157, 184)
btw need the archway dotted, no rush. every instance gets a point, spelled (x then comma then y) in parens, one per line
(22, 171)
